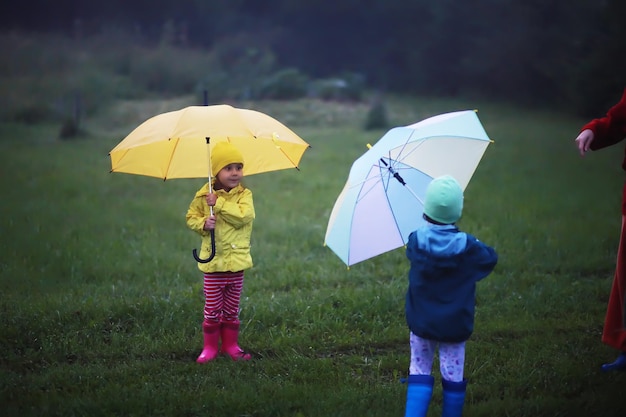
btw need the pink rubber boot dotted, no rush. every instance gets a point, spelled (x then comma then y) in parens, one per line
(230, 345)
(211, 332)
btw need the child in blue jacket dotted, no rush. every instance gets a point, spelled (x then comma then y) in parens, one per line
(445, 266)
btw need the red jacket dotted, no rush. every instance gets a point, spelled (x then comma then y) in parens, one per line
(610, 129)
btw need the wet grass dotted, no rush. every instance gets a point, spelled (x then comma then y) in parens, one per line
(101, 300)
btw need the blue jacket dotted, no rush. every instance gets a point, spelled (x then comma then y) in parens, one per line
(445, 266)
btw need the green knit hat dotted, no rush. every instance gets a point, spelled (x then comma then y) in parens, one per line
(444, 200)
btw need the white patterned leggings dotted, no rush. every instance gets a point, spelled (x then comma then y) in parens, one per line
(451, 358)
(222, 293)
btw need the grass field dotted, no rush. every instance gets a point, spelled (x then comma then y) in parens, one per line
(101, 300)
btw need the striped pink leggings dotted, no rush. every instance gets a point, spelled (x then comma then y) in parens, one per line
(222, 292)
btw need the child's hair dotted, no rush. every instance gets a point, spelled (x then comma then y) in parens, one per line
(443, 203)
(222, 154)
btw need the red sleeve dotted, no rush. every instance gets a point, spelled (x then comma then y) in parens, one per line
(610, 129)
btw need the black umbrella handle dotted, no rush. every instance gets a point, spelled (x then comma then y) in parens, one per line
(207, 260)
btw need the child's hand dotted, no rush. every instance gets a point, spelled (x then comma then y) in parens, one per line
(209, 223)
(211, 199)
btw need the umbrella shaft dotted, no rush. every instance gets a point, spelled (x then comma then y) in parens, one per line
(398, 177)
(393, 172)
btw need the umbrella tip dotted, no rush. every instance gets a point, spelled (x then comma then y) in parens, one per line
(369, 146)
(475, 110)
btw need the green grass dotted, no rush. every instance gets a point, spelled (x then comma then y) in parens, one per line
(101, 301)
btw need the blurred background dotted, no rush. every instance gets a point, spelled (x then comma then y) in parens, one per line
(68, 54)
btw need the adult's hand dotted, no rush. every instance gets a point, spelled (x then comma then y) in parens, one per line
(583, 141)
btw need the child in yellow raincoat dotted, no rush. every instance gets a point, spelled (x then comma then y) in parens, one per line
(232, 219)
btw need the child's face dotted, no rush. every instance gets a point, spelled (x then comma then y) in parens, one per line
(230, 176)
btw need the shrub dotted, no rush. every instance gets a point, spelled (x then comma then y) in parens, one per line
(355, 86)
(287, 84)
(349, 86)
(377, 115)
(29, 114)
(242, 62)
(69, 129)
(217, 86)
(168, 70)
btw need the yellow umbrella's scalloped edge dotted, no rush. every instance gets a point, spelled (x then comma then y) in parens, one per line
(289, 146)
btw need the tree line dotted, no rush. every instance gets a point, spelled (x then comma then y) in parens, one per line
(565, 53)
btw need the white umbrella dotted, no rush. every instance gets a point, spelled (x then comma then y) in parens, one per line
(382, 200)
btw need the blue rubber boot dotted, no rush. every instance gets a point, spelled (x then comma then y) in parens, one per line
(453, 398)
(618, 365)
(418, 395)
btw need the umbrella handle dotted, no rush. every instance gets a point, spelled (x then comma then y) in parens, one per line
(207, 260)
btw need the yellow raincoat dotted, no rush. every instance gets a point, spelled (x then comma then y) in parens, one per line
(234, 214)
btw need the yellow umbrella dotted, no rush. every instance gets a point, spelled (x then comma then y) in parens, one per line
(178, 144)
(174, 144)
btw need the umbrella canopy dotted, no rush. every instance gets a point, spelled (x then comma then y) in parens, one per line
(174, 144)
(178, 144)
(382, 200)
